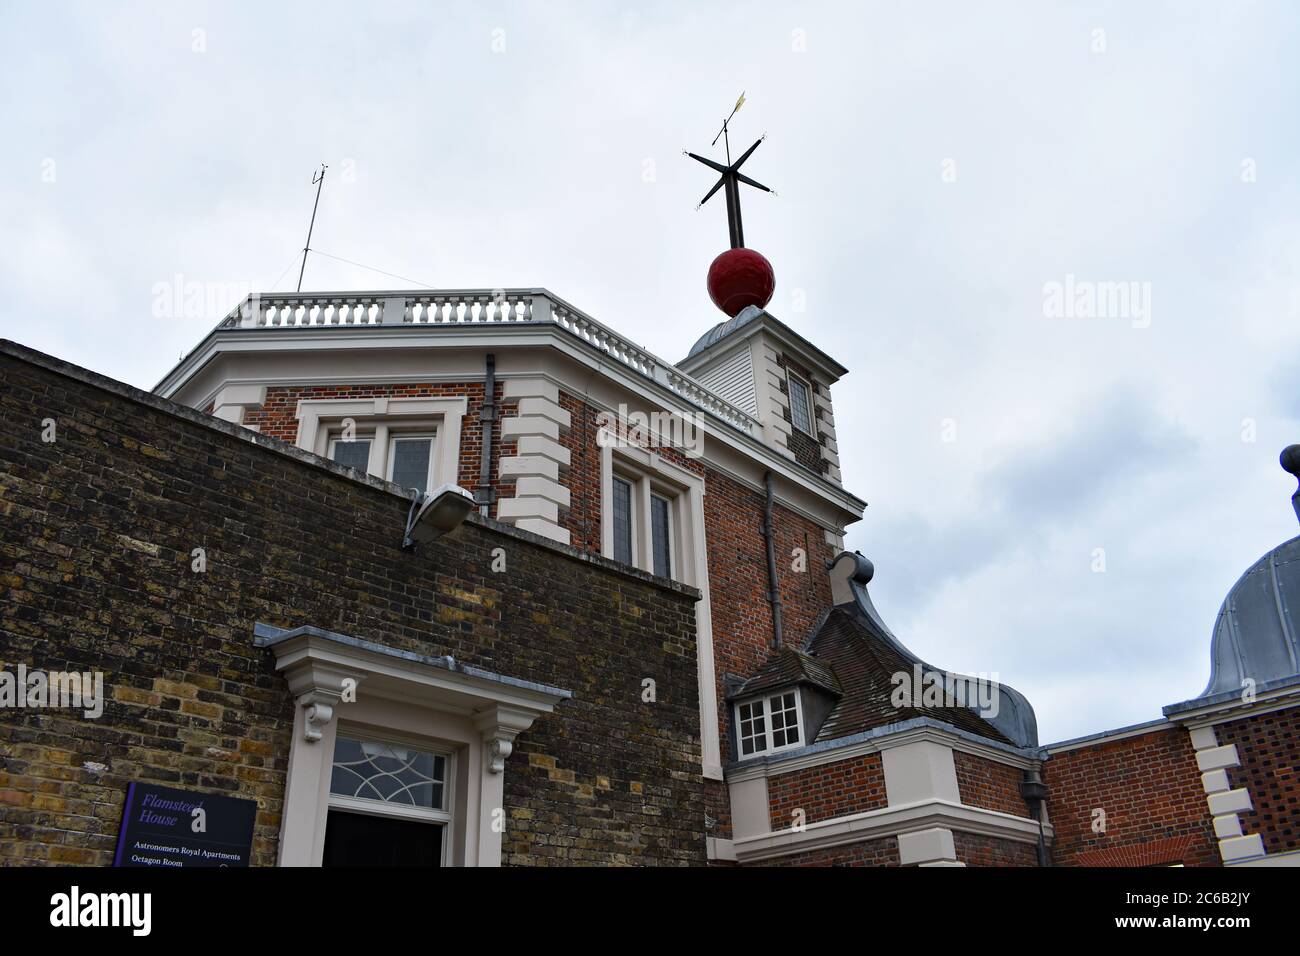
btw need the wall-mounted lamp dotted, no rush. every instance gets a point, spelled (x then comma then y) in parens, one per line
(436, 513)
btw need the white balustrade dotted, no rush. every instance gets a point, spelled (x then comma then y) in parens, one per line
(475, 307)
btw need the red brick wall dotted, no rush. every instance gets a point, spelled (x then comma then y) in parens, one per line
(1148, 785)
(976, 849)
(742, 617)
(1269, 749)
(278, 414)
(827, 791)
(989, 784)
(883, 852)
(582, 519)
(733, 519)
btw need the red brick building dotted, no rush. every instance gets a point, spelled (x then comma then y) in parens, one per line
(819, 738)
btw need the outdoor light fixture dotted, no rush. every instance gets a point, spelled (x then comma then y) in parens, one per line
(435, 513)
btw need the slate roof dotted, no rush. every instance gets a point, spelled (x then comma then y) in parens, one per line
(863, 660)
(788, 667)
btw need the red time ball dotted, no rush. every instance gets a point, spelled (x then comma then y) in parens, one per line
(739, 278)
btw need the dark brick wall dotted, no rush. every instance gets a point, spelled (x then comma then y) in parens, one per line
(1269, 749)
(1148, 785)
(827, 791)
(989, 784)
(95, 572)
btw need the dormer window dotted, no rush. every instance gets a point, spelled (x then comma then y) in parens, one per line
(768, 724)
(800, 405)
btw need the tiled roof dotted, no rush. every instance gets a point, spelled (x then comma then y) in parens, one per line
(788, 667)
(863, 660)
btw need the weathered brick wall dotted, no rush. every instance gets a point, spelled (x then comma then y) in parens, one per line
(1148, 785)
(1269, 749)
(95, 569)
(882, 852)
(976, 849)
(988, 784)
(717, 804)
(827, 791)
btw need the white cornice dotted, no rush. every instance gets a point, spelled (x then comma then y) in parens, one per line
(887, 822)
(470, 336)
(860, 745)
(1236, 709)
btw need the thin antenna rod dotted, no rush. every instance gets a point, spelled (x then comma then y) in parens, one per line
(318, 181)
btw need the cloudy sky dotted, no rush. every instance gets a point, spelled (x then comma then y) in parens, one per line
(1058, 495)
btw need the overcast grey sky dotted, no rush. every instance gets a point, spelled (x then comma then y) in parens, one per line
(939, 165)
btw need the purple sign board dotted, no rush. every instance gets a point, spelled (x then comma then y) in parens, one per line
(166, 827)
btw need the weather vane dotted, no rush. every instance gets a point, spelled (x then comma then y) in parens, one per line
(739, 277)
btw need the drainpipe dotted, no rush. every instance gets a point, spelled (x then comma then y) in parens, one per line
(769, 536)
(486, 416)
(1034, 791)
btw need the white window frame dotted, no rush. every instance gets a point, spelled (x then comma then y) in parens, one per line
(645, 485)
(379, 694)
(320, 420)
(808, 404)
(766, 701)
(444, 817)
(431, 435)
(691, 563)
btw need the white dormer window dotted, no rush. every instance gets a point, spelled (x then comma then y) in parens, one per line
(768, 724)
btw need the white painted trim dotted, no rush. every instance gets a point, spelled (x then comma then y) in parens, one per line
(887, 822)
(766, 699)
(933, 847)
(787, 763)
(718, 848)
(692, 567)
(475, 717)
(494, 337)
(1224, 804)
(315, 416)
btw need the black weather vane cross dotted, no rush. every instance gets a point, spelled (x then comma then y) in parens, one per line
(731, 178)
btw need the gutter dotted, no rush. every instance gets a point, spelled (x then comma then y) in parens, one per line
(769, 537)
(486, 416)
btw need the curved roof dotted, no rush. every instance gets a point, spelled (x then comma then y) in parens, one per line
(1255, 635)
(723, 329)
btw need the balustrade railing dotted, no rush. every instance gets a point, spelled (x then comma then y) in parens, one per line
(322, 310)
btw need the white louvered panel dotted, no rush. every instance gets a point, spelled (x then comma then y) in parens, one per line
(733, 379)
